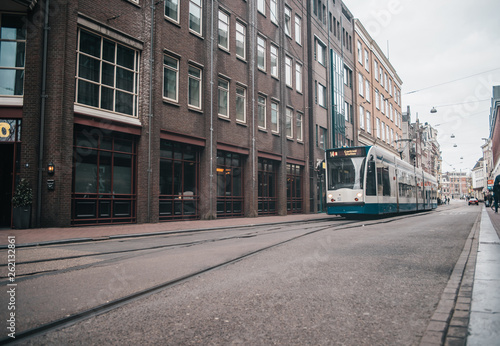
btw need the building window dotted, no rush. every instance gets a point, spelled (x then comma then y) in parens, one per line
(289, 128)
(378, 128)
(241, 104)
(320, 52)
(273, 8)
(229, 184)
(107, 76)
(298, 77)
(288, 21)
(322, 138)
(377, 99)
(223, 87)
(194, 92)
(179, 181)
(361, 117)
(321, 95)
(368, 122)
(261, 109)
(360, 53)
(361, 85)
(347, 76)
(274, 61)
(347, 111)
(12, 54)
(172, 10)
(261, 53)
(298, 29)
(375, 69)
(275, 116)
(299, 127)
(170, 78)
(223, 30)
(267, 179)
(294, 188)
(240, 40)
(367, 90)
(288, 71)
(367, 60)
(195, 12)
(261, 6)
(104, 177)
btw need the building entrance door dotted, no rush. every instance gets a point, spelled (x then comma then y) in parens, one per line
(6, 174)
(10, 149)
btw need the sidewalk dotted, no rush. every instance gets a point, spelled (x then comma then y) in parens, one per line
(484, 321)
(44, 236)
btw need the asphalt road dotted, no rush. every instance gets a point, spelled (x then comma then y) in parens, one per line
(364, 283)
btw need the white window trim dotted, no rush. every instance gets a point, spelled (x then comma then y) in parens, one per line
(200, 92)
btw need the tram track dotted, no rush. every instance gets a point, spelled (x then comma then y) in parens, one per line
(116, 303)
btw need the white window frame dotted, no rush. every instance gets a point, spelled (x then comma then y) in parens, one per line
(223, 27)
(360, 52)
(273, 9)
(289, 122)
(288, 71)
(175, 3)
(275, 117)
(196, 4)
(261, 50)
(320, 52)
(273, 51)
(261, 106)
(378, 128)
(288, 21)
(197, 79)
(116, 66)
(322, 95)
(298, 29)
(241, 36)
(361, 117)
(377, 99)
(298, 77)
(176, 70)
(241, 94)
(261, 6)
(361, 85)
(368, 122)
(367, 60)
(300, 129)
(367, 90)
(221, 89)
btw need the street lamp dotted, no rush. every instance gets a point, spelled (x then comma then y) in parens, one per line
(433, 110)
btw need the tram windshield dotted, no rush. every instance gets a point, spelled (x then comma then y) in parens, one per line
(345, 172)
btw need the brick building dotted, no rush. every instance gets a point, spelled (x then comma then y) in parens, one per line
(377, 95)
(152, 113)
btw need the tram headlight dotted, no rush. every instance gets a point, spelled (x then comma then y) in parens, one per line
(330, 196)
(358, 196)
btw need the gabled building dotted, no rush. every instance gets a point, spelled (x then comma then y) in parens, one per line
(377, 93)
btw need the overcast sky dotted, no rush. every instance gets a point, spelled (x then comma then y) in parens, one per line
(448, 55)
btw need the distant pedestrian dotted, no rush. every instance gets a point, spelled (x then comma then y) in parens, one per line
(496, 191)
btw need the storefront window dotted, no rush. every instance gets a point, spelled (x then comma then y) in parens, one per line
(104, 178)
(267, 187)
(294, 188)
(179, 167)
(229, 184)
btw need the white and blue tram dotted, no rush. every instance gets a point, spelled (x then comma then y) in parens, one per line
(371, 180)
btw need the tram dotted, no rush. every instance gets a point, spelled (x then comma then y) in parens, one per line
(370, 180)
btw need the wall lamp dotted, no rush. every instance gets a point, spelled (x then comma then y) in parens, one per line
(51, 168)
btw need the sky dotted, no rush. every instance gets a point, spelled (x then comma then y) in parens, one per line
(447, 54)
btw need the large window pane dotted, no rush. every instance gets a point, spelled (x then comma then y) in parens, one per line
(13, 27)
(88, 93)
(12, 54)
(90, 44)
(172, 9)
(86, 173)
(124, 102)
(122, 174)
(195, 15)
(124, 79)
(89, 68)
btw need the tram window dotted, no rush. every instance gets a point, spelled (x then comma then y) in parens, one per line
(371, 181)
(384, 183)
(345, 173)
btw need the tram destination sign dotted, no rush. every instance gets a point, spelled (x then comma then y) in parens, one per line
(347, 152)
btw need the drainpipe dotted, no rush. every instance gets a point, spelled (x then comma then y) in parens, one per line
(150, 106)
(211, 184)
(43, 97)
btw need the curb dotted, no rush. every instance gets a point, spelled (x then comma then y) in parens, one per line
(450, 322)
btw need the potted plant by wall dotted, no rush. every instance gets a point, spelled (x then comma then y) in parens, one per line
(21, 203)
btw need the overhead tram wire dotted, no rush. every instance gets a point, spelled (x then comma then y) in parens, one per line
(455, 80)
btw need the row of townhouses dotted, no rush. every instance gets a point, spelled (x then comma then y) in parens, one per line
(135, 111)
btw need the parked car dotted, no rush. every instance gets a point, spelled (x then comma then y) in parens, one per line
(473, 200)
